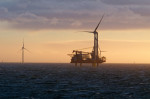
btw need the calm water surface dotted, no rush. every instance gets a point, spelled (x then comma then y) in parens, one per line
(65, 81)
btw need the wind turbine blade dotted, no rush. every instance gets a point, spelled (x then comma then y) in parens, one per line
(23, 42)
(87, 31)
(99, 23)
(27, 50)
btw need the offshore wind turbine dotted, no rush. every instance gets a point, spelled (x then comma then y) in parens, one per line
(23, 52)
(93, 57)
(95, 48)
(23, 49)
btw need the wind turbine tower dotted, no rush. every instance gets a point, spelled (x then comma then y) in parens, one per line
(23, 52)
(96, 56)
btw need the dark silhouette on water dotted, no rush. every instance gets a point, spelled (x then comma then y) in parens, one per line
(93, 57)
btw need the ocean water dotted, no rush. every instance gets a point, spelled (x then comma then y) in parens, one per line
(66, 81)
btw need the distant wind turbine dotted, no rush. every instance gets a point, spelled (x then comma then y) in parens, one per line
(23, 48)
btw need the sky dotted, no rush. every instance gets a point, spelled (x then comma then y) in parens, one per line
(52, 29)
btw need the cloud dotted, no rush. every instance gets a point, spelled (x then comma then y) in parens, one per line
(76, 23)
(127, 2)
(65, 14)
(74, 14)
(143, 11)
(139, 7)
(54, 21)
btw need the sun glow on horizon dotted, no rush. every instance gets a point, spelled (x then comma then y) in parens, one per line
(53, 46)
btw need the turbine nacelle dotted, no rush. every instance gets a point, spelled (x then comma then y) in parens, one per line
(95, 32)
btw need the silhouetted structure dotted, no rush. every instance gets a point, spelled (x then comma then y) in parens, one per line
(23, 48)
(93, 57)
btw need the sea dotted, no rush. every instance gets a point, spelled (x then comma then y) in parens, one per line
(67, 81)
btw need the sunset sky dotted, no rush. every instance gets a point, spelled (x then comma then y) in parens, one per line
(51, 29)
